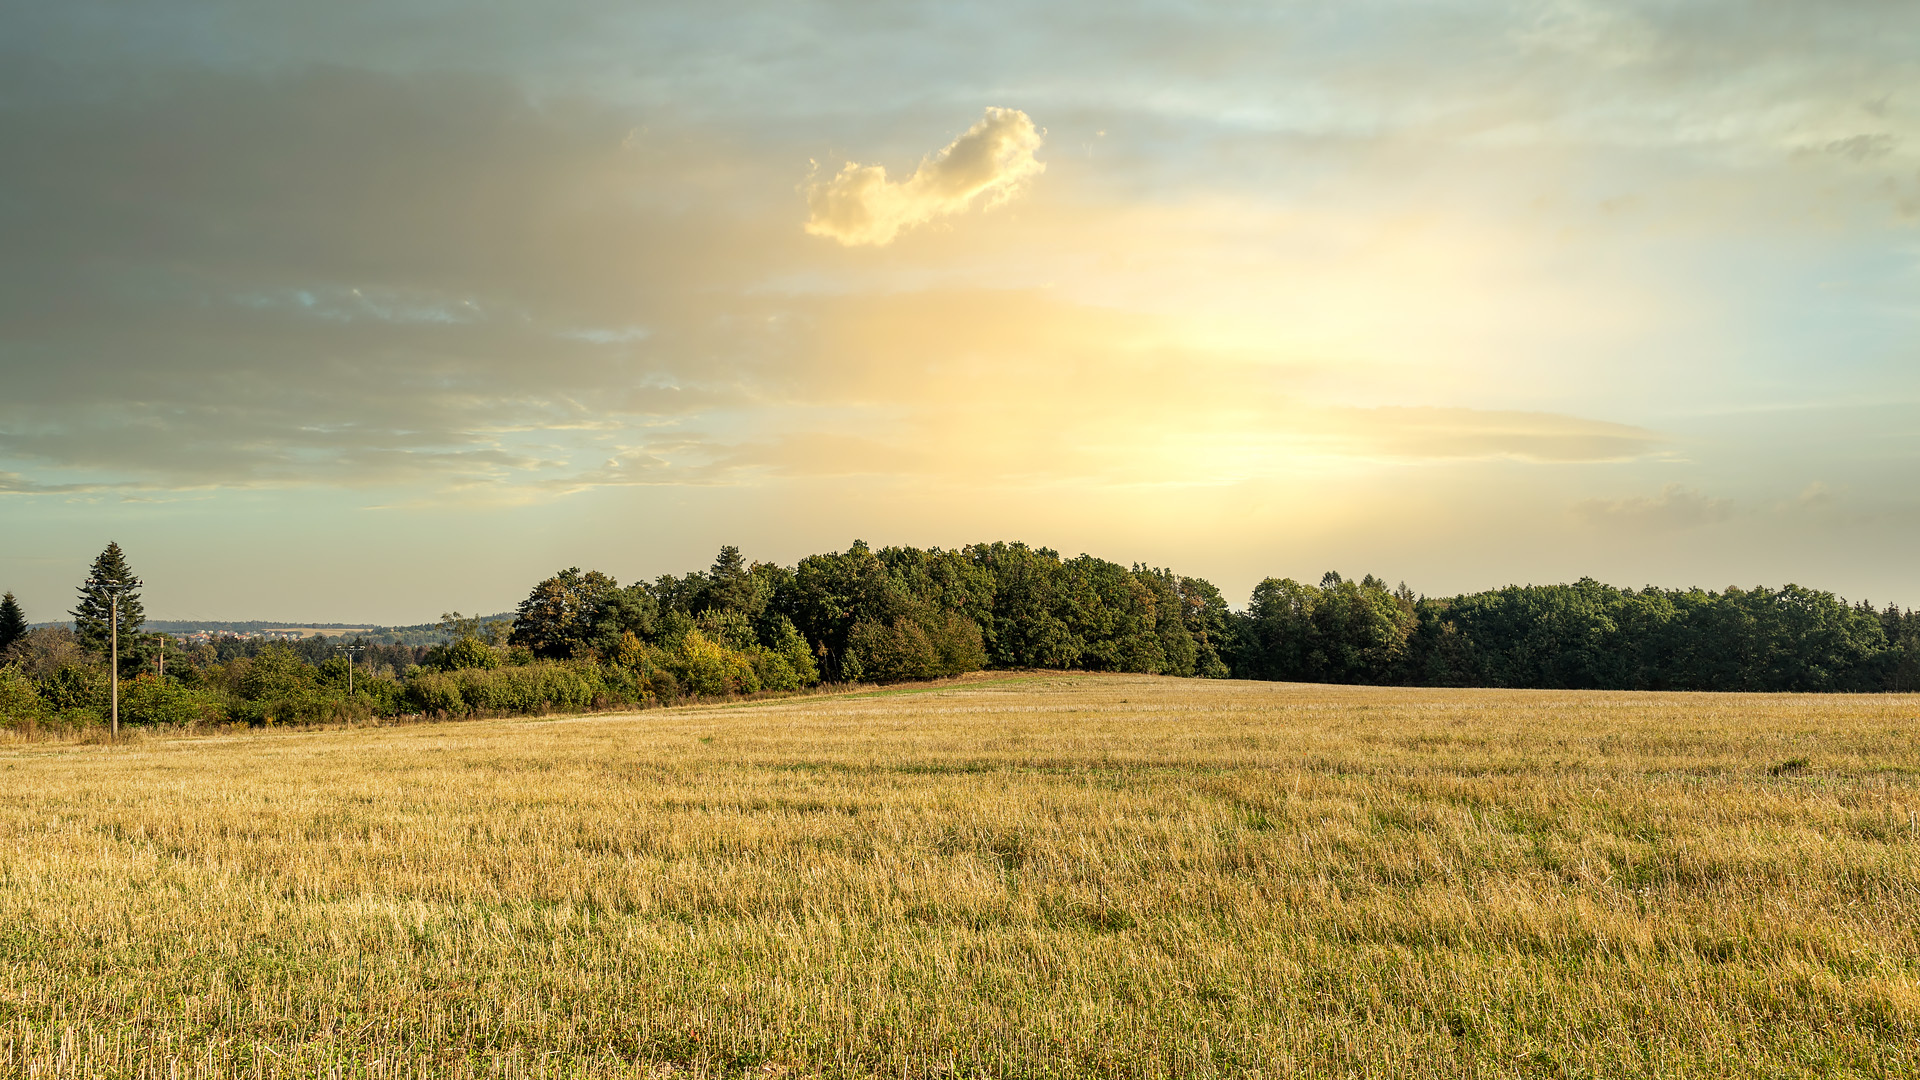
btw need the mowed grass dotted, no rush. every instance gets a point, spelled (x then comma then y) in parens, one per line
(1053, 876)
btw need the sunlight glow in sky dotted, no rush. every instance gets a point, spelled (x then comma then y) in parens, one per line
(370, 311)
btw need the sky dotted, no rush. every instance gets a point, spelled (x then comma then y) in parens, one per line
(370, 311)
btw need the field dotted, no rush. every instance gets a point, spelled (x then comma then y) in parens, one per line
(1009, 876)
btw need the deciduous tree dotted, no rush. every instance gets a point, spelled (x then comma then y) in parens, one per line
(559, 615)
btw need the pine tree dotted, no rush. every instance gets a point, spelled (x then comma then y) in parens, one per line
(90, 618)
(13, 622)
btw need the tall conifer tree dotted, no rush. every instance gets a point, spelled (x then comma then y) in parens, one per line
(13, 622)
(90, 617)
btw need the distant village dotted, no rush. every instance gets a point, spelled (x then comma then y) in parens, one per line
(196, 637)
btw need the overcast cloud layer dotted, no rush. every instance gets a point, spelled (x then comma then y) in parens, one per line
(371, 311)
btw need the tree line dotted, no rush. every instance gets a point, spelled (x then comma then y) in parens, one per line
(1586, 635)
(581, 640)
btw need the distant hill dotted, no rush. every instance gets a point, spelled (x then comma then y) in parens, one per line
(256, 626)
(416, 634)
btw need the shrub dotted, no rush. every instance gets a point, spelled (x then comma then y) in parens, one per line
(276, 686)
(944, 644)
(436, 692)
(528, 688)
(534, 688)
(896, 652)
(635, 655)
(468, 652)
(773, 671)
(706, 667)
(276, 673)
(150, 700)
(75, 688)
(19, 702)
(661, 685)
(789, 662)
(380, 696)
(957, 645)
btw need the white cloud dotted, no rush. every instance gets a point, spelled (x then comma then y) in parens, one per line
(1610, 38)
(1676, 507)
(859, 205)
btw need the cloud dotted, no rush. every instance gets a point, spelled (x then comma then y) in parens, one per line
(1423, 433)
(1677, 507)
(12, 483)
(1610, 38)
(357, 279)
(1816, 496)
(860, 206)
(1861, 148)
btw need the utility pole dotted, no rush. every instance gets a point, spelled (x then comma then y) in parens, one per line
(113, 589)
(350, 650)
(113, 665)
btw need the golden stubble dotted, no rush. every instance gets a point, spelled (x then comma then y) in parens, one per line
(1007, 876)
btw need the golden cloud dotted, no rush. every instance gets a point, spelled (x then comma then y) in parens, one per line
(860, 206)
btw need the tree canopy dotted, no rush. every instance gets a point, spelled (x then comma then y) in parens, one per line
(558, 615)
(93, 615)
(1586, 635)
(13, 622)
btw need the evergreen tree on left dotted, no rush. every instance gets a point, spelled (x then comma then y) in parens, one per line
(13, 622)
(90, 618)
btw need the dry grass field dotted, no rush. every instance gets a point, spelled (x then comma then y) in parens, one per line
(1013, 876)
